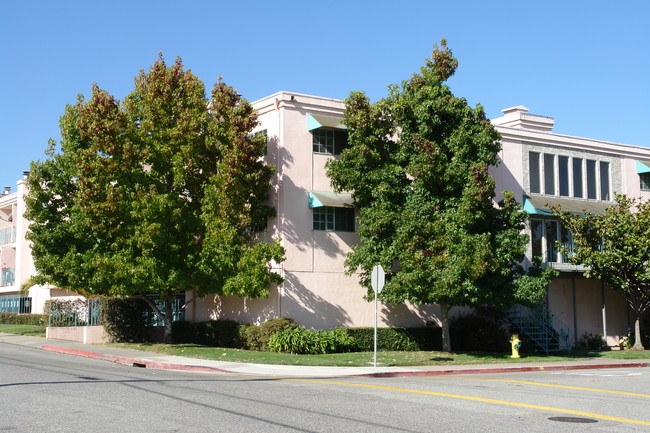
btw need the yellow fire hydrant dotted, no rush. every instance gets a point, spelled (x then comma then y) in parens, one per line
(516, 344)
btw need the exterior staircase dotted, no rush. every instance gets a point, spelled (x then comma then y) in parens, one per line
(539, 326)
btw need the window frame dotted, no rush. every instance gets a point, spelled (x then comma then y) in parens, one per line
(333, 219)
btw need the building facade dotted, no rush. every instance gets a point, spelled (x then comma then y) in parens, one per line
(317, 226)
(546, 169)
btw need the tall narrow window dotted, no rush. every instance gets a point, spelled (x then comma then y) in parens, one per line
(533, 171)
(591, 179)
(577, 178)
(549, 174)
(537, 232)
(644, 181)
(563, 171)
(567, 242)
(551, 238)
(604, 180)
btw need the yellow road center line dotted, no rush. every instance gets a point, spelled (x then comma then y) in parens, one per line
(548, 384)
(485, 400)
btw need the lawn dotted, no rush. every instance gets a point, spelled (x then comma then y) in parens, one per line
(359, 359)
(33, 330)
(352, 359)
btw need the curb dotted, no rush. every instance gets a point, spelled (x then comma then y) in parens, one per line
(142, 363)
(503, 370)
(133, 362)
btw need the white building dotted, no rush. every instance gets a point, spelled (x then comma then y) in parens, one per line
(317, 229)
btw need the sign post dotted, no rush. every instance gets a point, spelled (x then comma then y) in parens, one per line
(377, 280)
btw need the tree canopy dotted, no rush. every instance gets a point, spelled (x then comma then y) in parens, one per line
(615, 248)
(158, 194)
(417, 166)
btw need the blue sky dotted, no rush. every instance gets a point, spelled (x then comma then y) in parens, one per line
(584, 63)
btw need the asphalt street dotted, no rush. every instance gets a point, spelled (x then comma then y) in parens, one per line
(47, 391)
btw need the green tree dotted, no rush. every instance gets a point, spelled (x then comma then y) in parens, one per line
(615, 248)
(155, 195)
(417, 167)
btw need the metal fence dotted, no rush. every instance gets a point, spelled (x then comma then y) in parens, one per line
(178, 313)
(15, 304)
(78, 312)
(88, 312)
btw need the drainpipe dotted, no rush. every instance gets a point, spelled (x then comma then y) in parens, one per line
(575, 313)
(604, 310)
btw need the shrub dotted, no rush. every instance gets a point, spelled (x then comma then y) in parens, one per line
(590, 341)
(305, 341)
(183, 331)
(125, 319)
(249, 337)
(481, 330)
(397, 339)
(272, 326)
(23, 319)
(218, 333)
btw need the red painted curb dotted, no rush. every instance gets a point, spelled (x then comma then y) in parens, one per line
(132, 362)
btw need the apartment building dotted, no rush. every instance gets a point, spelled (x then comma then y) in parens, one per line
(317, 226)
(546, 169)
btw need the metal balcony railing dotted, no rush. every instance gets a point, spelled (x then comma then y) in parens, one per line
(7, 236)
(8, 277)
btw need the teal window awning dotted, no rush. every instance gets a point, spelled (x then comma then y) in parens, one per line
(540, 205)
(329, 199)
(642, 167)
(315, 121)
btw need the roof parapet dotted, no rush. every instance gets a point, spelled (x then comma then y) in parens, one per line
(518, 117)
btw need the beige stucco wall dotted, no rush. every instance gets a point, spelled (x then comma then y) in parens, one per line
(82, 334)
(587, 317)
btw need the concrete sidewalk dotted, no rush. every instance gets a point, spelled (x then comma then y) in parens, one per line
(157, 361)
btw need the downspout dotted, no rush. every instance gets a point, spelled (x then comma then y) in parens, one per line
(604, 311)
(280, 211)
(575, 313)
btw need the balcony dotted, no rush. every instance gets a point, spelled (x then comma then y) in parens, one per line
(8, 277)
(7, 236)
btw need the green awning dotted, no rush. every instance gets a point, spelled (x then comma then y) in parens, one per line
(540, 205)
(315, 121)
(329, 199)
(643, 167)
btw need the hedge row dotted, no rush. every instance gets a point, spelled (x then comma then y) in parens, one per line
(228, 333)
(23, 319)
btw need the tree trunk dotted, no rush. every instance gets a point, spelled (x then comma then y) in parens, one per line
(446, 339)
(166, 315)
(638, 345)
(169, 316)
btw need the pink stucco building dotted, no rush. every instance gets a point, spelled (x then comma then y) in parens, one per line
(318, 229)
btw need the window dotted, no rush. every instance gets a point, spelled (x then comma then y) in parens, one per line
(591, 179)
(329, 141)
(533, 170)
(567, 176)
(551, 238)
(604, 180)
(537, 236)
(577, 177)
(334, 218)
(563, 171)
(549, 174)
(544, 237)
(644, 178)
